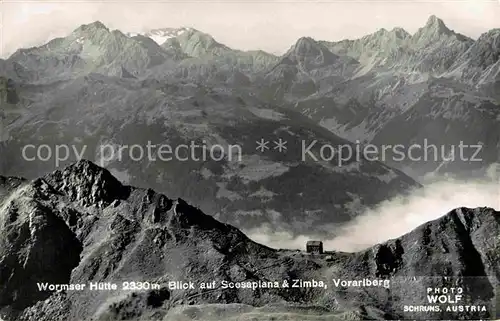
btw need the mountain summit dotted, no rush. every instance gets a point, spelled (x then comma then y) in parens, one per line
(93, 26)
(436, 31)
(437, 25)
(310, 53)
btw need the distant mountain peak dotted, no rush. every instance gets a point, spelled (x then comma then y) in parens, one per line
(96, 25)
(400, 33)
(309, 52)
(304, 46)
(196, 43)
(482, 54)
(307, 46)
(434, 31)
(436, 24)
(382, 36)
(306, 41)
(95, 31)
(397, 32)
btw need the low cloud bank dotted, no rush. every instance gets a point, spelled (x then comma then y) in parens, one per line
(395, 217)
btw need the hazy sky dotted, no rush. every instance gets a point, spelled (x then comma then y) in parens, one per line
(269, 25)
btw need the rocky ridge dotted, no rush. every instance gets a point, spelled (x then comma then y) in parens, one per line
(80, 224)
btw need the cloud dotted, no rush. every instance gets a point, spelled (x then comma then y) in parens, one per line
(398, 216)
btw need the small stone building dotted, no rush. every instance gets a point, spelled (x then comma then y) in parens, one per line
(314, 247)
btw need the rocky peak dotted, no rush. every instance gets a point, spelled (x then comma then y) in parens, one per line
(87, 183)
(381, 33)
(96, 33)
(90, 27)
(435, 31)
(196, 43)
(306, 44)
(310, 52)
(490, 41)
(482, 54)
(436, 25)
(384, 38)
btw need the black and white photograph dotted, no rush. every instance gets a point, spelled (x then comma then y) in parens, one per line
(251, 160)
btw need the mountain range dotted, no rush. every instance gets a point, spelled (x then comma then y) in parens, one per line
(79, 225)
(100, 87)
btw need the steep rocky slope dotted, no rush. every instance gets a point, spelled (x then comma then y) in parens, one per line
(480, 63)
(433, 48)
(81, 225)
(307, 67)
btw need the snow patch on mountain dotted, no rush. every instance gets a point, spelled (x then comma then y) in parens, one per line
(80, 40)
(160, 36)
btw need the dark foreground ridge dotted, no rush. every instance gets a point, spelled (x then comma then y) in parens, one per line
(81, 226)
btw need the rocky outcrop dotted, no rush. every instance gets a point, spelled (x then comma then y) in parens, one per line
(81, 226)
(85, 184)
